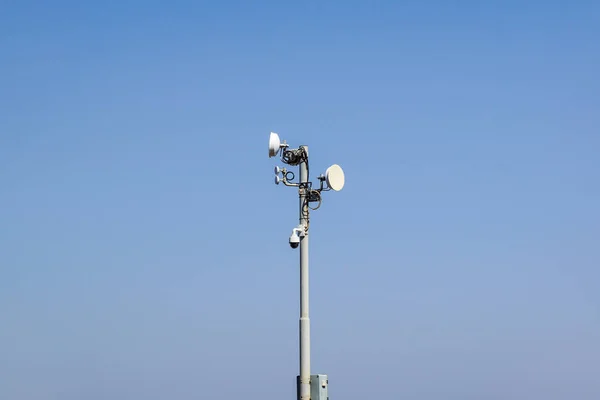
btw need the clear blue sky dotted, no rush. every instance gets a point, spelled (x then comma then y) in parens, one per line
(143, 248)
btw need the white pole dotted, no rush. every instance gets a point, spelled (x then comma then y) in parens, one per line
(304, 319)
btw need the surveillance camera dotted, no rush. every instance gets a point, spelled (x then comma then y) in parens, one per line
(294, 239)
(297, 233)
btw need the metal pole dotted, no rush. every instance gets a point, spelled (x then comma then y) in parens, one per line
(304, 320)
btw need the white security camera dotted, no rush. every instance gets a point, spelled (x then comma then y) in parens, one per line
(294, 240)
(297, 233)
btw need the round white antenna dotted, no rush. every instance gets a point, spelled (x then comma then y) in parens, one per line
(277, 170)
(277, 179)
(274, 144)
(335, 177)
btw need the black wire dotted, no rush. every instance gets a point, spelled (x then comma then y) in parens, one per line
(296, 157)
(318, 195)
(305, 159)
(292, 157)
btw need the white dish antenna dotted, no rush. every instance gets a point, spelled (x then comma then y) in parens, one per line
(335, 177)
(274, 144)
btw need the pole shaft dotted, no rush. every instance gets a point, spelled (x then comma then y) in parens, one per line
(304, 318)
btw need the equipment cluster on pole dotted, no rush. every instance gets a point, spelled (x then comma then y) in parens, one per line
(309, 387)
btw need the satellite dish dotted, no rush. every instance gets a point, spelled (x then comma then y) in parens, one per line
(274, 144)
(277, 170)
(335, 177)
(277, 179)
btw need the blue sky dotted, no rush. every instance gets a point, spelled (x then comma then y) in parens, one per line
(143, 249)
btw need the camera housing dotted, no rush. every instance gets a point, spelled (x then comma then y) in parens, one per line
(294, 241)
(297, 233)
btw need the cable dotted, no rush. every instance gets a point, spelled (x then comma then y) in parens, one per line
(292, 157)
(317, 194)
(305, 159)
(296, 157)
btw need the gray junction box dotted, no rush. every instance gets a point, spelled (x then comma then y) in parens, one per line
(319, 385)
